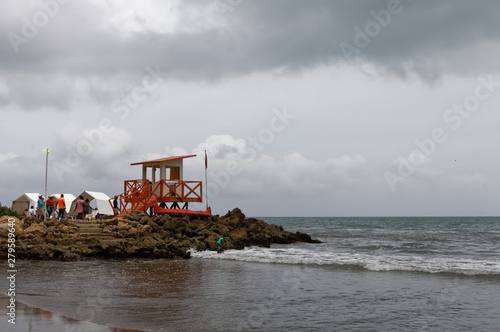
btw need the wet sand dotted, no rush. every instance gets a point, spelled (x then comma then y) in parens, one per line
(29, 318)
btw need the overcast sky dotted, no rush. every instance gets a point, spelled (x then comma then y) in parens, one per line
(306, 108)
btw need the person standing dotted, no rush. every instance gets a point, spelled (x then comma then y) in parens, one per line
(79, 207)
(39, 207)
(61, 205)
(115, 205)
(220, 247)
(50, 206)
(87, 208)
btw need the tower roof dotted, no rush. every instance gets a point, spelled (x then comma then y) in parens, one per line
(162, 160)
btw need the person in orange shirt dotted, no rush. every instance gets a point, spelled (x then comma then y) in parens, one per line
(50, 206)
(61, 204)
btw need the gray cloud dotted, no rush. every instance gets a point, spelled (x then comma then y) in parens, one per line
(222, 74)
(429, 38)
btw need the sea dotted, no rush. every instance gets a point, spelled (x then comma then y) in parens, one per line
(369, 274)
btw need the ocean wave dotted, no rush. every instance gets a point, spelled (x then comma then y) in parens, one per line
(410, 263)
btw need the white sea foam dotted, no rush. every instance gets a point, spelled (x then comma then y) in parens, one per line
(373, 262)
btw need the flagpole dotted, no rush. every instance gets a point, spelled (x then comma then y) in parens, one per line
(46, 175)
(206, 182)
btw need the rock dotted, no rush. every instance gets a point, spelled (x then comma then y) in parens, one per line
(183, 254)
(148, 243)
(153, 226)
(157, 220)
(131, 233)
(4, 226)
(138, 235)
(36, 230)
(124, 226)
(145, 230)
(68, 256)
(239, 235)
(30, 220)
(110, 222)
(170, 225)
(138, 215)
(65, 229)
(236, 214)
(166, 218)
(306, 238)
(191, 231)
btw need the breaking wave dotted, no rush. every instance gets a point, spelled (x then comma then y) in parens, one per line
(410, 263)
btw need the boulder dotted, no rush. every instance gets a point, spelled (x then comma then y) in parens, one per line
(302, 237)
(138, 215)
(145, 230)
(37, 230)
(4, 226)
(234, 215)
(122, 226)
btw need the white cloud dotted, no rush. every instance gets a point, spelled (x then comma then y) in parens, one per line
(128, 16)
(346, 162)
(236, 170)
(6, 157)
(221, 146)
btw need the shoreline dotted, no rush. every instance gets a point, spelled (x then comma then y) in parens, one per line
(141, 236)
(31, 318)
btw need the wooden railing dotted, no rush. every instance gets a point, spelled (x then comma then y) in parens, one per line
(141, 195)
(134, 185)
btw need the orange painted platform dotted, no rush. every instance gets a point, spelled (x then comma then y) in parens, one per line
(207, 212)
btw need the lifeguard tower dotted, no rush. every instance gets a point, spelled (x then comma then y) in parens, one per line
(156, 194)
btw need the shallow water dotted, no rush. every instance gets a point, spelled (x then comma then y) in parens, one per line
(35, 319)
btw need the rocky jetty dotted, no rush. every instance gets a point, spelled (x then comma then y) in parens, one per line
(139, 235)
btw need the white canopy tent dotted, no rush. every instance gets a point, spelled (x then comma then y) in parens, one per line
(103, 205)
(24, 202)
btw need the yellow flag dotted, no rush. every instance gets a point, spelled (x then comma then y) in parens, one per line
(48, 151)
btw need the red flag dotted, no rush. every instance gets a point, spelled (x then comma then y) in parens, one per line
(206, 160)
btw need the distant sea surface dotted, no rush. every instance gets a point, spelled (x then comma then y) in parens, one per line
(370, 274)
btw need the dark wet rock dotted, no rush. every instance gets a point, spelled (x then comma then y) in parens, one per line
(68, 256)
(306, 238)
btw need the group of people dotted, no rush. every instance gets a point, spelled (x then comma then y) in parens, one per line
(82, 207)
